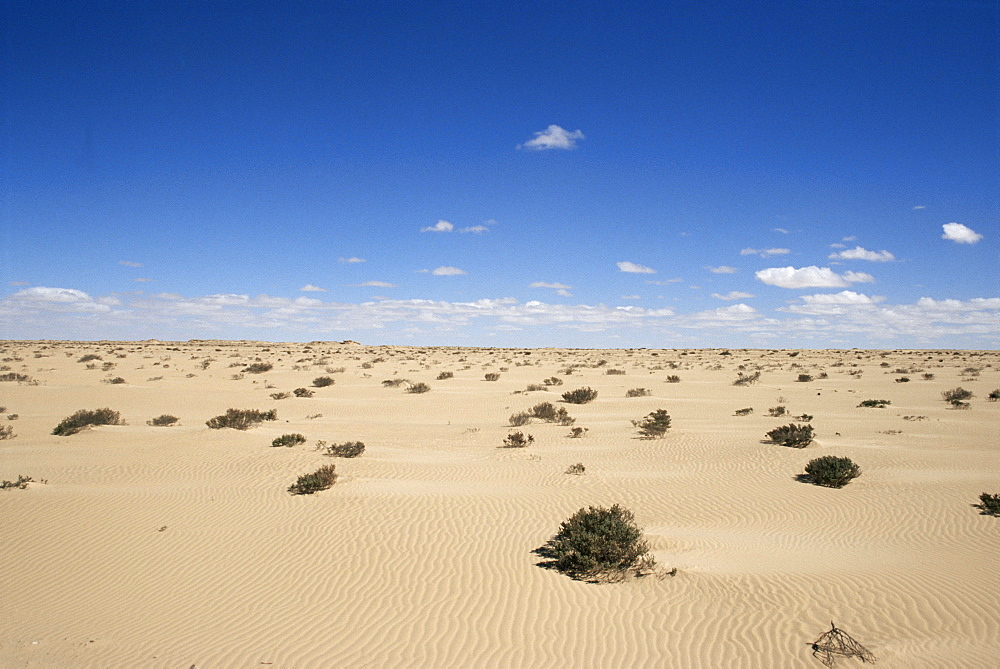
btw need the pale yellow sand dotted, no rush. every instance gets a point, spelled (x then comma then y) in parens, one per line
(173, 547)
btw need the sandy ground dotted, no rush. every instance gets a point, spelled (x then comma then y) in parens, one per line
(179, 546)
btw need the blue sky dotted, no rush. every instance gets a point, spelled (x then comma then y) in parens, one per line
(669, 174)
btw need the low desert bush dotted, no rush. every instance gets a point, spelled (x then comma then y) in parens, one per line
(280, 396)
(553, 381)
(596, 543)
(84, 418)
(348, 449)
(166, 420)
(115, 381)
(418, 388)
(956, 394)
(804, 378)
(831, 471)
(673, 378)
(89, 357)
(14, 376)
(792, 435)
(614, 372)
(576, 469)
(321, 479)
(805, 418)
(288, 440)
(536, 387)
(777, 412)
(6, 432)
(927, 376)
(874, 404)
(20, 484)
(654, 425)
(241, 419)
(990, 504)
(519, 419)
(994, 395)
(638, 392)
(578, 432)
(445, 375)
(492, 376)
(746, 379)
(258, 368)
(744, 412)
(580, 396)
(394, 383)
(517, 440)
(323, 381)
(302, 392)
(549, 413)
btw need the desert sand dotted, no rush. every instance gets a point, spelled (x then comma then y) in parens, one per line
(144, 546)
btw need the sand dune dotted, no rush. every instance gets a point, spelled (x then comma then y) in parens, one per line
(179, 546)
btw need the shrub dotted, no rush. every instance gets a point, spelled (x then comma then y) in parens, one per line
(746, 379)
(288, 440)
(994, 395)
(553, 381)
(576, 469)
(959, 404)
(614, 372)
(777, 412)
(804, 378)
(321, 479)
(874, 404)
(956, 394)
(348, 449)
(673, 378)
(83, 419)
(241, 419)
(927, 376)
(258, 368)
(550, 414)
(445, 375)
(795, 436)
(519, 419)
(805, 418)
(280, 396)
(115, 381)
(323, 381)
(89, 357)
(394, 383)
(6, 432)
(597, 542)
(14, 376)
(578, 432)
(831, 471)
(580, 396)
(302, 392)
(165, 420)
(638, 392)
(990, 504)
(903, 379)
(536, 387)
(517, 440)
(492, 376)
(418, 388)
(654, 425)
(744, 412)
(21, 483)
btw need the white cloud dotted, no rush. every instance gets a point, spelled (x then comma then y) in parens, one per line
(447, 271)
(553, 137)
(632, 268)
(732, 295)
(631, 297)
(309, 288)
(810, 277)
(843, 297)
(852, 238)
(722, 269)
(477, 229)
(664, 283)
(860, 253)
(764, 253)
(781, 230)
(376, 284)
(564, 293)
(65, 300)
(351, 260)
(960, 234)
(142, 279)
(837, 245)
(440, 226)
(543, 284)
(129, 263)
(919, 207)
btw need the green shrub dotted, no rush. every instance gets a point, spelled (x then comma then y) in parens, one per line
(14, 376)
(418, 388)
(89, 357)
(956, 394)
(6, 432)
(638, 392)
(445, 375)
(165, 420)
(321, 479)
(115, 381)
(596, 542)
(83, 419)
(302, 392)
(258, 367)
(990, 504)
(654, 425)
(550, 414)
(831, 471)
(874, 404)
(519, 419)
(615, 372)
(744, 412)
(580, 396)
(536, 387)
(553, 381)
(777, 412)
(673, 378)
(349, 449)
(241, 419)
(804, 378)
(517, 440)
(323, 381)
(288, 440)
(280, 396)
(994, 395)
(576, 469)
(578, 432)
(794, 436)
(492, 376)
(746, 379)
(21, 483)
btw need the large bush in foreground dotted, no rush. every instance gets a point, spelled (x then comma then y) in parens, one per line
(832, 471)
(654, 425)
(580, 396)
(596, 542)
(321, 479)
(84, 419)
(793, 435)
(241, 419)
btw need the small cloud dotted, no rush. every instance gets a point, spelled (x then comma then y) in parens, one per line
(810, 277)
(960, 234)
(447, 271)
(477, 229)
(843, 297)
(630, 297)
(440, 226)
(764, 253)
(129, 263)
(553, 137)
(556, 286)
(722, 269)
(352, 259)
(919, 207)
(309, 288)
(666, 282)
(781, 230)
(732, 295)
(859, 253)
(564, 293)
(375, 284)
(633, 268)
(837, 245)
(143, 279)
(852, 238)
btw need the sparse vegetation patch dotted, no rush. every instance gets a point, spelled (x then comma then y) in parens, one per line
(792, 435)
(654, 425)
(580, 396)
(321, 479)
(832, 471)
(598, 543)
(241, 419)
(83, 419)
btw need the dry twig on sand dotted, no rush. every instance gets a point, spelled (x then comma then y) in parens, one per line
(836, 642)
